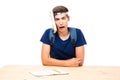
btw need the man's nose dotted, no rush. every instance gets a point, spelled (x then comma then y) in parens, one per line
(61, 22)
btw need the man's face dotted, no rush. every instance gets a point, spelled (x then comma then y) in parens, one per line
(61, 21)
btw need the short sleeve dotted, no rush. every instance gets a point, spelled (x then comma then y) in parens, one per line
(45, 37)
(80, 38)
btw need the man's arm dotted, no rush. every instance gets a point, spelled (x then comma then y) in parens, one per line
(48, 61)
(80, 54)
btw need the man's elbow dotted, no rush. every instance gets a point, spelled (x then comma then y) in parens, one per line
(81, 64)
(44, 63)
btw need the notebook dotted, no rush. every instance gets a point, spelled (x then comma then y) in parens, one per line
(48, 72)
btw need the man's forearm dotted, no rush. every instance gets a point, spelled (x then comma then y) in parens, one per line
(54, 62)
(73, 62)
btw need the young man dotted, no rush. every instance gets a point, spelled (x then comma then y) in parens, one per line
(62, 52)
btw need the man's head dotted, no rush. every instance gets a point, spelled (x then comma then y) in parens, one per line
(61, 17)
(59, 9)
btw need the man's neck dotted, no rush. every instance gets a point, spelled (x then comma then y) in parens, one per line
(64, 35)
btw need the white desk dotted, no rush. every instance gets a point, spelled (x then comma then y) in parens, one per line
(21, 72)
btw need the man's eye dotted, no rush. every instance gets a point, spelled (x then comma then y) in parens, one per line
(56, 19)
(63, 18)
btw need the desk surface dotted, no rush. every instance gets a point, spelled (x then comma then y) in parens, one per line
(21, 72)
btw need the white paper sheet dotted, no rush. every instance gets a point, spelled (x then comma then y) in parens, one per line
(47, 72)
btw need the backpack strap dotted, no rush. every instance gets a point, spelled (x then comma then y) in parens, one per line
(51, 37)
(73, 35)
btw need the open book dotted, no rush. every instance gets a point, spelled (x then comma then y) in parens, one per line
(48, 72)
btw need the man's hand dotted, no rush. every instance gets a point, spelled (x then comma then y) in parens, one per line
(73, 62)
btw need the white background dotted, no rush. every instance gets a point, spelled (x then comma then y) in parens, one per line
(22, 23)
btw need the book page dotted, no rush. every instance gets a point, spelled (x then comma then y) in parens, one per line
(47, 72)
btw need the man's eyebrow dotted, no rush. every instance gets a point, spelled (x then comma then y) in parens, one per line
(60, 18)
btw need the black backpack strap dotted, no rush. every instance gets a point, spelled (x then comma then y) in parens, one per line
(51, 37)
(73, 35)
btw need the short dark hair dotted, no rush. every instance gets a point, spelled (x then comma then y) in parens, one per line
(59, 9)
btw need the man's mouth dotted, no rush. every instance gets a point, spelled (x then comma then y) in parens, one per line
(61, 27)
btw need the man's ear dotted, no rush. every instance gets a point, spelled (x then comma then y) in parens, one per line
(68, 18)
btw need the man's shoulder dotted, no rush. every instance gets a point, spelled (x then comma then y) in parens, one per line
(48, 30)
(75, 28)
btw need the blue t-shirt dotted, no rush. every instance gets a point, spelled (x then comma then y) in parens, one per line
(63, 49)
